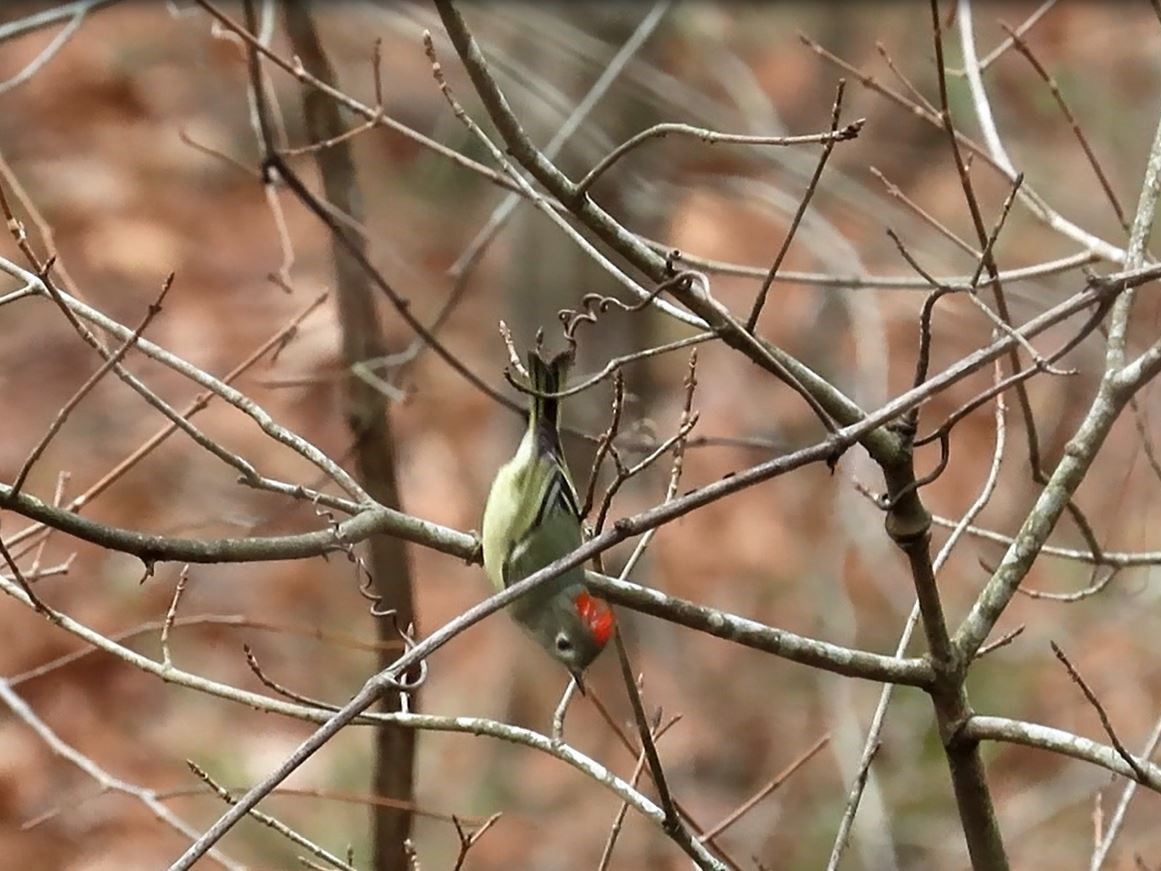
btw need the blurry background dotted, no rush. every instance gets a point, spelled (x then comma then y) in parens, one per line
(96, 139)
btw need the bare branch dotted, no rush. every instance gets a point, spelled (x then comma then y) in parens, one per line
(1116, 387)
(1057, 741)
(50, 51)
(91, 382)
(272, 345)
(612, 71)
(105, 780)
(820, 654)
(660, 131)
(1032, 200)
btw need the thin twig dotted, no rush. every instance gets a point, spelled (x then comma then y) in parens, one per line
(48, 17)
(91, 382)
(660, 131)
(858, 785)
(672, 823)
(895, 192)
(561, 709)
(171, 615)
(285, 692)
(1003, 641)
(18, 576)
(1130, 790)
(1033, 201)
(1106, 185)
(622, 811)
(624, 474)
(1105, 722)
(237, 621)
(992, 56)
(58, 495)
(364, 799)
(272, 823)
(50, 51)
(1141, 424)
(676, 467)
(1091, 590)
(1122, 559)
(923, 355)
(862, 281)
(915, 93)
(811, 187)
(275, 343)
(1098, 822)
(186, 139)
(605, 443)
(617, 363)
(467, 841)
(774, 783)
(47, 237)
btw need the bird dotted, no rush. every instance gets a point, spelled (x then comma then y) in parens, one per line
(531, 519)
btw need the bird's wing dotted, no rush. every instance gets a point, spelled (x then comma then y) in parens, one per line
(553, 530)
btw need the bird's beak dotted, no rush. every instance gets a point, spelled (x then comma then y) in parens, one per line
(578, 679)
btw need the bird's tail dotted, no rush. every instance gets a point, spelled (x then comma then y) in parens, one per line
(547, 377)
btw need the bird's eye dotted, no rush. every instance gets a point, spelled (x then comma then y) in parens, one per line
(563, 644)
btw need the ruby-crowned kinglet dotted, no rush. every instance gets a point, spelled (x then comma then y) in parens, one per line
(532, 519)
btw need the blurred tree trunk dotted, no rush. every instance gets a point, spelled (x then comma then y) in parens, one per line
(370, 425)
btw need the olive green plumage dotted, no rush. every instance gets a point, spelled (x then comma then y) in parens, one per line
(532, 519)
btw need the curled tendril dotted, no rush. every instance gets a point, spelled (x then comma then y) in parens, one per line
(377, 608)
(592, 303)
(348, 548)
(345, 546)
(595, 304)
(404, 683)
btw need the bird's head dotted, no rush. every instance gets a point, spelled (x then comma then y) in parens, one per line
(574, 629)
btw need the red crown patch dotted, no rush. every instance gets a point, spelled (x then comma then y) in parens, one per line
(596, 615)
